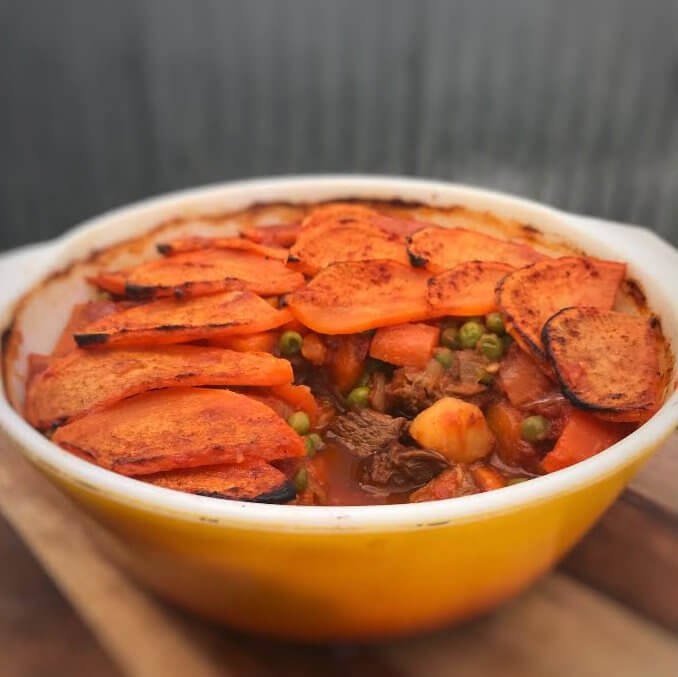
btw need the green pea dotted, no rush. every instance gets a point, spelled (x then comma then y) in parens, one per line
(313, 443)
(358, 397)
(495, 323)
(300, 422)
(301, 480)
(444, 356)
(470, 334)
(491, 346)
(449, 338)
(534, 428)
(290, 343)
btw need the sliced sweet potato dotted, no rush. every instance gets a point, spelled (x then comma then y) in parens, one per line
(606, 362)
(263, 342)
(277, 235)
(440, 249)
(113, 281)
(398, 226)
(405, 345)
(467, 289)
(342, 240)
(210, 270)
(86, 380)
(191, 244)
(172, 321)
(338, 212)
(349, 297)
(583, 436)
(180, 428)
(255, 481)
(37, 363)
(529, 296)
(82, 315)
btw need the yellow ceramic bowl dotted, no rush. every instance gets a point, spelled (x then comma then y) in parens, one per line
(332, 573)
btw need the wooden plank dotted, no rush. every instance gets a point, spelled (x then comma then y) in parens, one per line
(559, 628)
(38, 626)
(119, 613)
(657, 481)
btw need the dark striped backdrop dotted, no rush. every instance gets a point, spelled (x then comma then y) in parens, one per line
(574, 103)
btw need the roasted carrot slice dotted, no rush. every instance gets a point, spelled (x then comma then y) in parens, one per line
(277, 235)
(583, 436)
(210, 270)
(172, 321)
(254, 481)
(180, 428)
(606, 362)
(347, 359)
(406, 345)
(82, 315)
(113, 281)
(332, 241)
(529, 296)
(467, 289)
(258, 343)
(86, 380)
(439, 249)
(348, 297)
(191, 244)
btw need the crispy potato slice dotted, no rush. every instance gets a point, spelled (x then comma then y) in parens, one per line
(467, 289)
(349, 297)
(196, 243)
(440, 249)
(180, 428)
(344, 240)
(529, 296)
(210, 270)
(86, 380)
(277, 235)
(172, 321)
(398, 226)
(82, 315)
(606, 362)
(254, 481)
(113, 281)
(338, 212)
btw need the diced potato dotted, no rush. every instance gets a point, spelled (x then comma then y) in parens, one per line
(455, 428)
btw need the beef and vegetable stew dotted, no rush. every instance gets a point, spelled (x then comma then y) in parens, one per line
(351, 357)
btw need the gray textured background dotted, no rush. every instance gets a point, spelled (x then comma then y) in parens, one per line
(574, 103)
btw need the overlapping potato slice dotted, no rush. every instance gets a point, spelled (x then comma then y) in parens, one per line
(82, 315)
(467, 289)
(344, 239)
(276, 235)
(349, 297)
(254, 481)
(86, 380)
(181, 321)
(529, 296)
(180, 428)
(112, 281)
(606, 362)
(439, 249)
(206, 271)
(196, 243)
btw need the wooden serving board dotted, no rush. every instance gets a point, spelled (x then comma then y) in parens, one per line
(610, 610)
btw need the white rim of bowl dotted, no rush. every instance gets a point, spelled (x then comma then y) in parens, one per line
(263, 516)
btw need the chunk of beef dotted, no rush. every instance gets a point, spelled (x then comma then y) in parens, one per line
(399, 468)
(365, 431)
(451, 483)
(412, 390)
